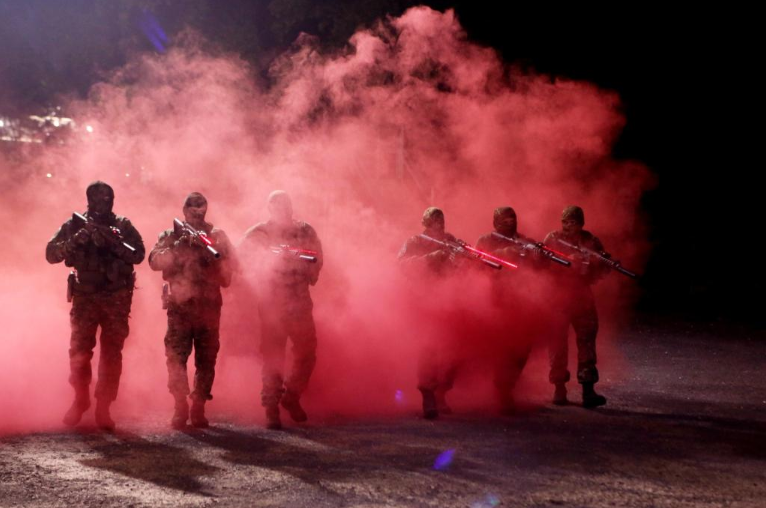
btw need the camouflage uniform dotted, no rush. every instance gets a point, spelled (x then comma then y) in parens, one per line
(436, 369)
(194, 306)
(102, 296)
(574, 298)
(285, 306)
(518, 313)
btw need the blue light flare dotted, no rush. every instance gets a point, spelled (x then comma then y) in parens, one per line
(444, 460)
(150, 26)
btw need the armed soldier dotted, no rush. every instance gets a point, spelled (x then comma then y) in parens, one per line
(577, 308)
(102, 248)
(287, 256)
(196, 260)
(436, 370)
(518, 312)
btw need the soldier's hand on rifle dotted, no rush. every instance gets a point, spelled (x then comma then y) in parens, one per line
(183, 242)
(98, 238)
(439, 257)
(81, 237)
(506, 252)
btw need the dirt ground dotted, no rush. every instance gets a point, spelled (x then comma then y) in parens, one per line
(686, 428)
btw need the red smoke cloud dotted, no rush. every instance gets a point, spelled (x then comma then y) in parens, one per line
(411, 115)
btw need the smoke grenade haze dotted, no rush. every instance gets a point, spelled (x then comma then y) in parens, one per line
(411, 115)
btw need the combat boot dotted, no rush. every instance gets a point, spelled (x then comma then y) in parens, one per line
(79, 406)
(430, 410)
(590, 398)
(272, 418)
(180, 413)
(441, 402)
(560, 395)
(103, 419)
(291, 402)
(197, 415)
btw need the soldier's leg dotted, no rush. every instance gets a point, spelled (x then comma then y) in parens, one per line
(585, 323)
(114, 331)
(178, 346)
(507, 373)
(206, 346)
(558, 355)
(428, 378)
(83, 319)
(303, 335)
(115, 311)
(448, 367)
(273, 343)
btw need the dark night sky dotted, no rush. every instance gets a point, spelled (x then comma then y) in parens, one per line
(686, 79)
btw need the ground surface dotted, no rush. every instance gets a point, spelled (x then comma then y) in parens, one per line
(686, 428)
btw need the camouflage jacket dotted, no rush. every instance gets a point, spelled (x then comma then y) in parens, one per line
(257, 250)
(107, 267)
(419, 251)
(190, 269)
(584, 269)
(510, 251)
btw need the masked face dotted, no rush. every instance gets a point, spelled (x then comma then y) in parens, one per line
(280, 208)
(505, 223)
(100, 200)
(571, 227)
(195, 209)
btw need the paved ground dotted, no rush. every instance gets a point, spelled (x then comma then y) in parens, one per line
(687, 427)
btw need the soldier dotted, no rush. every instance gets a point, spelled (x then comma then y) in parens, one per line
(436, 371)
(577, 307)
(102, 250)
(518, 311)
(287, 257)
(194, 278)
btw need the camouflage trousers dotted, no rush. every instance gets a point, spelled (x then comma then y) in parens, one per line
(508, 367)
(277, 324)
(517, 326)
(110, 311)
(192, 324)
(577, 309)
(437, 368)
(442, 353)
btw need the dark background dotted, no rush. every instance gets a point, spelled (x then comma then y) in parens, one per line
(687, 80)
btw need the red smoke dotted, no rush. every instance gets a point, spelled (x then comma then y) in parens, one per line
(411, 115)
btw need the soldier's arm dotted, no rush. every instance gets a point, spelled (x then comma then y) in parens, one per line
(406, 253)
(227, 265)
(412, 253)
(132, 237)
(249, 252)
(161, 256)
(58, 247)
(550, 240)
(483, 243)
(310, 241)
(603, 269)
